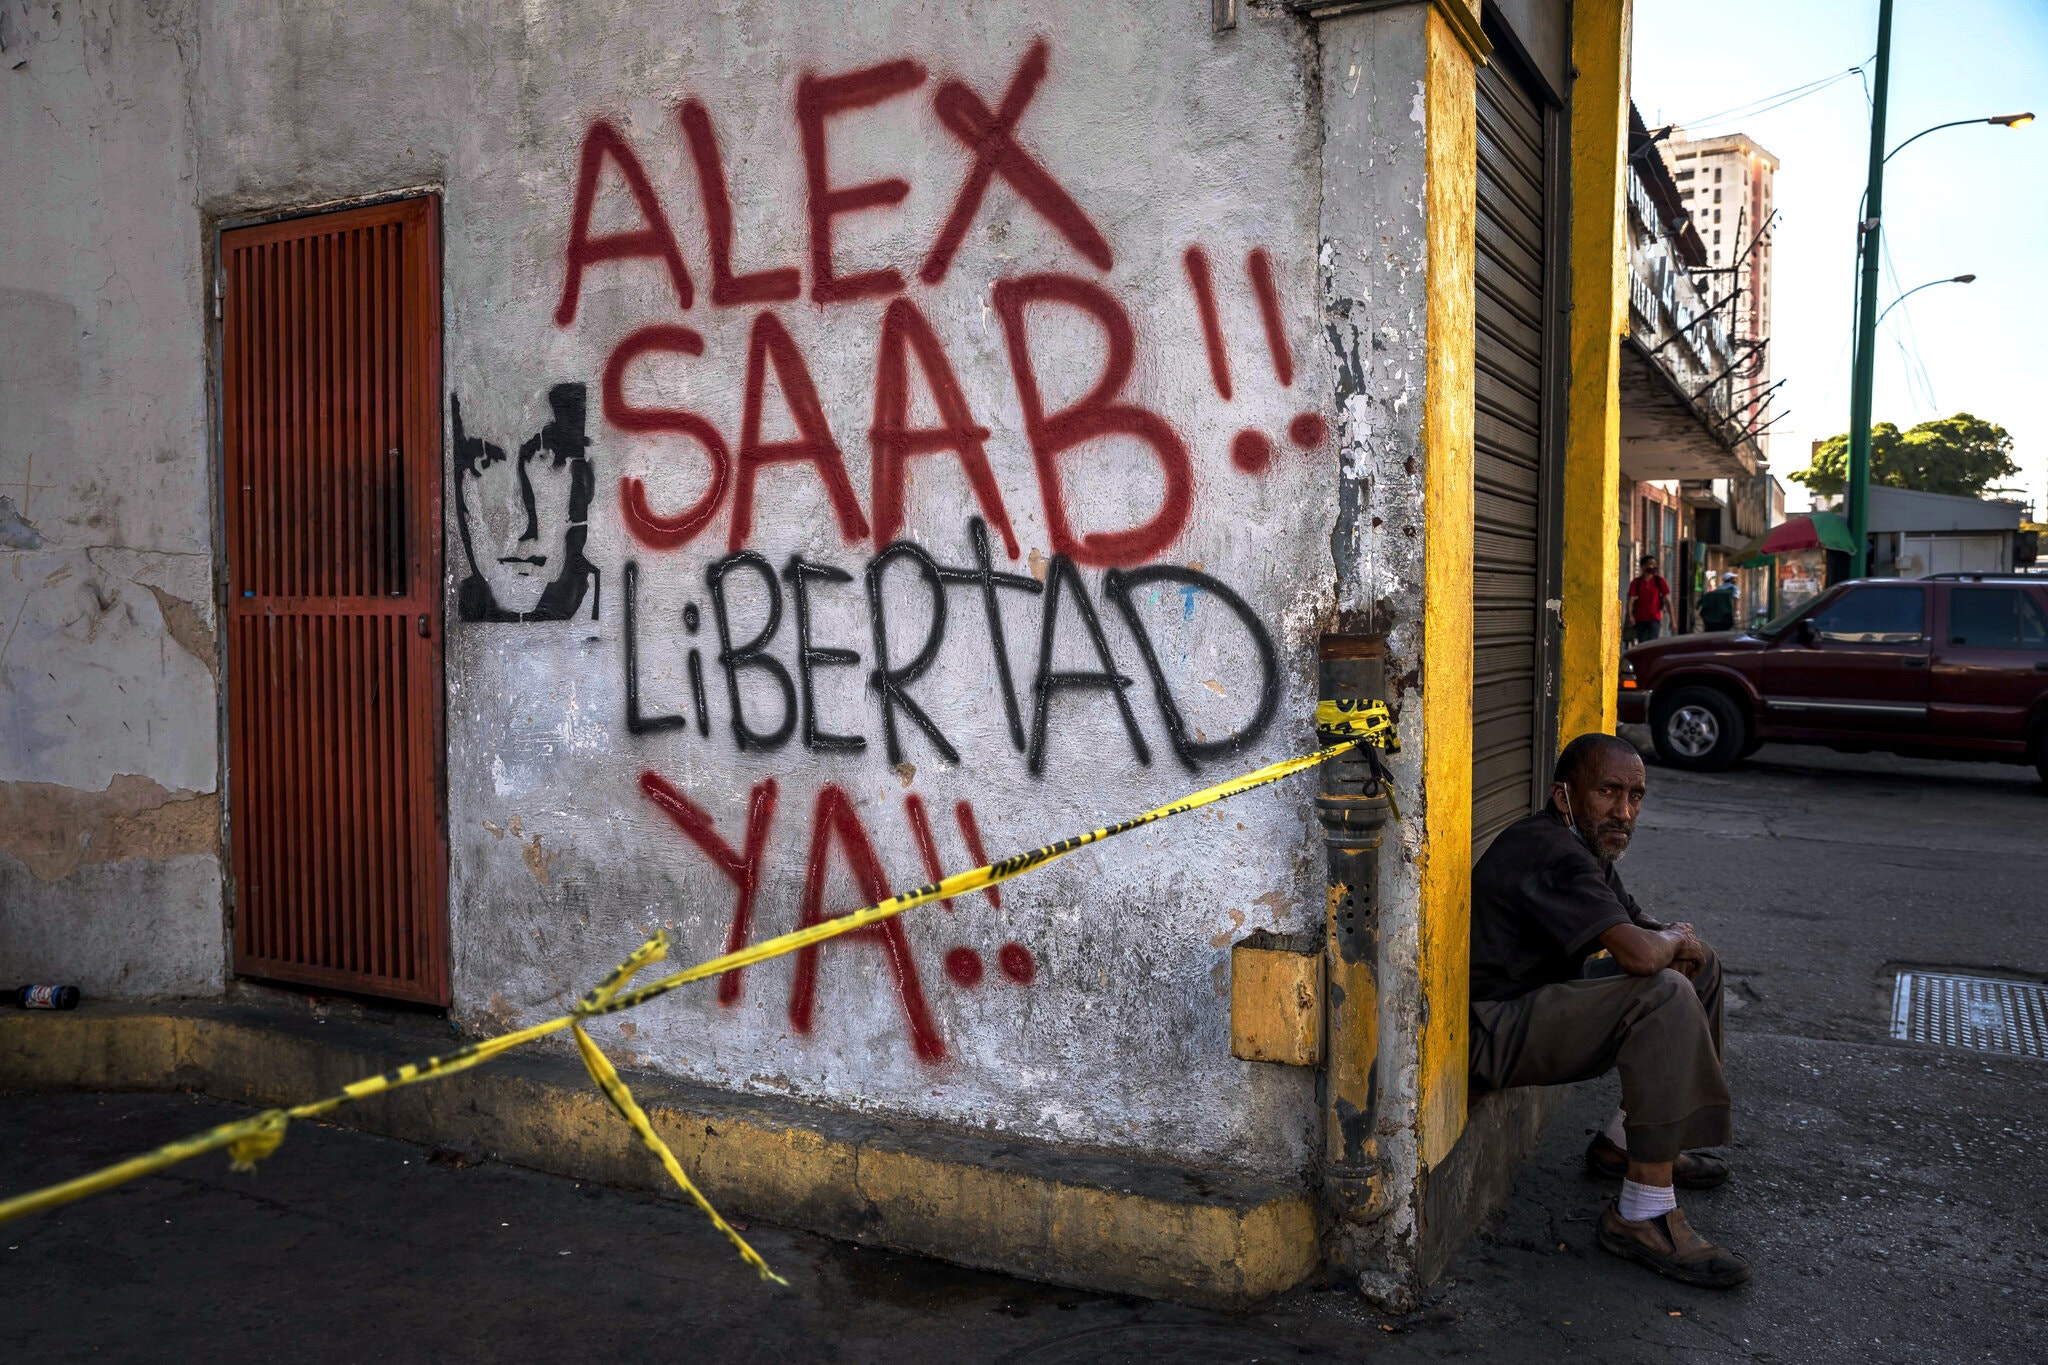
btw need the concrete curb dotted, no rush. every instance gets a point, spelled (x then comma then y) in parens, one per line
(1095, 1221)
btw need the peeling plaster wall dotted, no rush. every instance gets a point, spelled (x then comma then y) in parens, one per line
(1092, 1006)
(109, 875)
(1374, 256)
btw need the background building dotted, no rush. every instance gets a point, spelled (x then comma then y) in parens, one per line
(1724, 184)
(1695, 480)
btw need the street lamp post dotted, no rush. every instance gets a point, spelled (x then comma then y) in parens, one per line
(1866, 309)
(1867, 242)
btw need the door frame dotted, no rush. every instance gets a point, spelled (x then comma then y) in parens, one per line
(428, 548)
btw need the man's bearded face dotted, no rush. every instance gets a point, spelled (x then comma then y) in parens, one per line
(1604, 800)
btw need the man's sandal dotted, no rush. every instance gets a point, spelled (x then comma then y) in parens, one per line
(1692, 1170)
(1668, 1245)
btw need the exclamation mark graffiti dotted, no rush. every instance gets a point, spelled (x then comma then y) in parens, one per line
(1197, 262)
(1251, 450)
(963, 964)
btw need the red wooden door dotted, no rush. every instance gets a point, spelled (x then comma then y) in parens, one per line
(330, 363)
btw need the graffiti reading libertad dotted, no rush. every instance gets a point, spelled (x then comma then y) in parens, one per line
(754, 665)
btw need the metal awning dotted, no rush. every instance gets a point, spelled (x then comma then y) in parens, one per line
(1666, 433)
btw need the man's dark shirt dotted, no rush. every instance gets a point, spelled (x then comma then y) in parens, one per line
(1540, 901)
(1717, 609)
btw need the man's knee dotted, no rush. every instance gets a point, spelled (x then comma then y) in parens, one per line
(1670, 986)
(1662, 992)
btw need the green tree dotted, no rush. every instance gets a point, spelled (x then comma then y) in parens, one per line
(1960, 454)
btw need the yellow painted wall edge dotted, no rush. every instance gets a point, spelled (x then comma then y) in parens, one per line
(1591, 648)
(1450, 206)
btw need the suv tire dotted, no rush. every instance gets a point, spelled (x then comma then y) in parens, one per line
(1698, 728)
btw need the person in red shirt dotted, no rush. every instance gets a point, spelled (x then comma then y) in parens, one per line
(1648, 596)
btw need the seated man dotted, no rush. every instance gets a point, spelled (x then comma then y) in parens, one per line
(1544, 898)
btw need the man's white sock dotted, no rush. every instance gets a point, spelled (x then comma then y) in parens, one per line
(1639, 1202)
(1616, 1130)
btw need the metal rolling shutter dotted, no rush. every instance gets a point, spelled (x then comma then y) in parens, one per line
(1508, 659)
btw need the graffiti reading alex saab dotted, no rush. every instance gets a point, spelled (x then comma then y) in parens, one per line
(905, 481)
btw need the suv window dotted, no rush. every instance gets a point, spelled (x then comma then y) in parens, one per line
(1996, 618)
(1873, 616)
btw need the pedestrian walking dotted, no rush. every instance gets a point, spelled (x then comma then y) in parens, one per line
(1546, 1011)
(1717, 608)
(1648, 597)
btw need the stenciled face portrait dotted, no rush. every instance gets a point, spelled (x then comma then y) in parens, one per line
(523, 517)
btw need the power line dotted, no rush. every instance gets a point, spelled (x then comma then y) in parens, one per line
(1768, 103)
(1903, 330)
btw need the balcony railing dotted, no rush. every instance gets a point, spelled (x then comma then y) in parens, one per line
(1686, 335)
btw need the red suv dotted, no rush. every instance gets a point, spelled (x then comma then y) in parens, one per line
(1954, 666)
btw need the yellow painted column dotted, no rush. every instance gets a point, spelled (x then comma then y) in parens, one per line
(1450, 206)
(1591, 651)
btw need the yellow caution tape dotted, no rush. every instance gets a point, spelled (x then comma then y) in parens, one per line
(1365, 719)
(250, 1140)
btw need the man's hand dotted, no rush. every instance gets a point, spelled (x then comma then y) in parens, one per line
(1645, 952)
(1692, 952)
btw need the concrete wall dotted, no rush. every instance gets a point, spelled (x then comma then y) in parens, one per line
(109, 814)
(1092, 1004)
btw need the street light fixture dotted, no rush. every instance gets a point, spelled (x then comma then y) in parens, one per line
(2001, 120)
(1953, 279)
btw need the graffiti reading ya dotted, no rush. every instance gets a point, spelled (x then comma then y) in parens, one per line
(755, 669)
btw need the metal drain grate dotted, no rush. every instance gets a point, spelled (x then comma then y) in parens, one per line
(1987, 1014)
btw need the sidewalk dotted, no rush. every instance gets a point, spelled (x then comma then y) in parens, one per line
(1885, 1192)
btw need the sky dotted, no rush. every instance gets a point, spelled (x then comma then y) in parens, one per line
(1965, 200)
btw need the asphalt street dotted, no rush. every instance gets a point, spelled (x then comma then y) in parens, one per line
(1889, 1194)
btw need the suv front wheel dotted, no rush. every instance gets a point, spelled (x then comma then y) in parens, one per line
(1698, 728)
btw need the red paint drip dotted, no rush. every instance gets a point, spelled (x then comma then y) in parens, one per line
(834, 815)
(970, 830)
(1308, 430)
(1251, 451)
(921, 831)
(1259, 266)
(744, 869)
(964, 966)
(1196, 261)
(1017, 963)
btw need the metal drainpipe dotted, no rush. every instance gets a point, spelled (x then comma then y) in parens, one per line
(1351, 667)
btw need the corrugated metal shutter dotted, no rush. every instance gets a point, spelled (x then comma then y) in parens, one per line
(331, 440)
(1509, 662)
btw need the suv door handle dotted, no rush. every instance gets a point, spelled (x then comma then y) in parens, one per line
(1916, 663)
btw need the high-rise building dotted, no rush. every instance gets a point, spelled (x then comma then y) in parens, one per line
(1724, 183)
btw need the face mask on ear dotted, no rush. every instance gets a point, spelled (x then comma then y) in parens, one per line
(1571, 821)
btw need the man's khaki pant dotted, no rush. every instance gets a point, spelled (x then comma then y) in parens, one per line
(1662, 1032)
